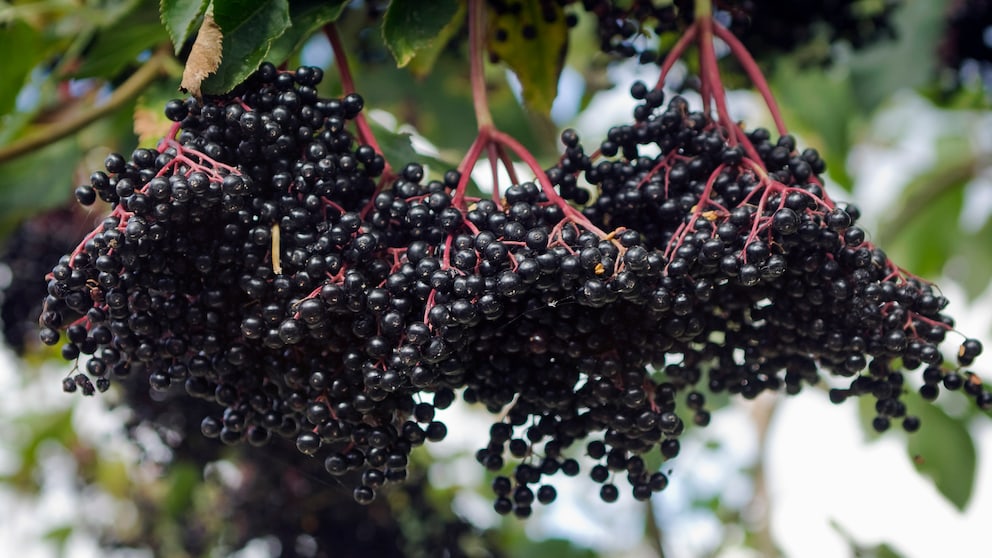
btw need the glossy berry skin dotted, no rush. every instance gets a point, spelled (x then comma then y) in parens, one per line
(259, 262)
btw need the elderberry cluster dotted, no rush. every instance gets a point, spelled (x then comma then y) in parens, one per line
(769, 27)
(261, 259)
(779, 278)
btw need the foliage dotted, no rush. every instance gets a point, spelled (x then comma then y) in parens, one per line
(85, 75)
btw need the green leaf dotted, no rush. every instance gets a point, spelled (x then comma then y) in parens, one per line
(423, 62)
(37, 429)
(916, 233)
(975, 271)
(119, 44)
(943, 450)
(60, 537)
(37, 181)
(866, 414)
(183, 481)
(559, 548)
(180, 18)
(307, 16)
(397, 149)
(882, 550)
(249, 30)
(537, 61)
(908, 61)
(410, 25)
(21, 38)
(816, 104)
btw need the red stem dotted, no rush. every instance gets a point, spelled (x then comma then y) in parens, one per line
(753, 73)
(676, 53)
(365, 134)
(466, 166)
(542, 179)
(711, 77)
(476, 49)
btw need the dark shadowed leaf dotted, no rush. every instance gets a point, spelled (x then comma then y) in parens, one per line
(411, 25)
(307, 16)
(888, 66)
(423, 62)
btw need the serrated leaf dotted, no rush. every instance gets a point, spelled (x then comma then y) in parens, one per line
(205, 56)
(916, 233)
(410, 25)
(943, 450)
(307, 16)
(249, 29)
(180, 17)
(423, 61)
(21, 38)
(866, 414)
(533, 48)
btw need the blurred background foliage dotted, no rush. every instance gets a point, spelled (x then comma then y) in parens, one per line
(82, 78)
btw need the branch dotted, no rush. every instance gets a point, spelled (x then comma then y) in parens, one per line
(155, 66)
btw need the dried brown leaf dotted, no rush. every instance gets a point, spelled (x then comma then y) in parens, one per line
(204, 57)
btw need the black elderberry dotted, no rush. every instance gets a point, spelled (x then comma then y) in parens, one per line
(609, 493)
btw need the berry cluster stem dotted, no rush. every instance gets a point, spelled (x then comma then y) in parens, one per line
(477, 74)
(365, 134)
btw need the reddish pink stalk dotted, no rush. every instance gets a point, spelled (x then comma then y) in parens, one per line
(753, 73)
(476, 49)
(365, 134)
(677, 51)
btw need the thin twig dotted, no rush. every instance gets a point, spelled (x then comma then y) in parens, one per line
(125, 92)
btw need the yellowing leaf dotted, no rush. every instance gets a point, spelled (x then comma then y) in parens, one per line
(204, 57)
(533, 45)
(149, 126)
